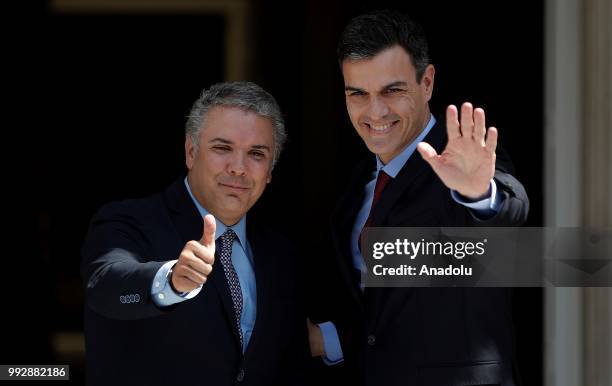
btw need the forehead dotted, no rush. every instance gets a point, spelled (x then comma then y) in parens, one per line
(390, 65)
(238, 126)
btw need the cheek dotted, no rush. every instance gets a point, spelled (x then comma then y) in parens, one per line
(353, 111)
(404, 105)
(260, 171)
(212, 163)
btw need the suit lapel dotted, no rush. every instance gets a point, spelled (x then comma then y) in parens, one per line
(190, 225)
(217, 277)
(264, 256)
(414, 167)
(184, 213)
(376, 297)
(342, 225)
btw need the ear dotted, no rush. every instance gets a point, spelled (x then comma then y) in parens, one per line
(190, 152)
(428, 81)
(269, 179)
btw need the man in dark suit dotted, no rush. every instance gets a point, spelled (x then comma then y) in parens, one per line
(181, 288)
(414, 336)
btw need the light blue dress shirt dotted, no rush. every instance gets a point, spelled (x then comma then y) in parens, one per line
(242, 259)
(482, 209)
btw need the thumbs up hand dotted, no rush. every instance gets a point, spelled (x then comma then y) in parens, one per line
(196, 260)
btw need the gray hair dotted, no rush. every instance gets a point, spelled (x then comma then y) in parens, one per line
(243, 95)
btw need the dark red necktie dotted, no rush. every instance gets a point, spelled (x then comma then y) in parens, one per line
(381, 182)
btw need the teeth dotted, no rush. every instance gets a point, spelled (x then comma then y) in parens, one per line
(381, 128)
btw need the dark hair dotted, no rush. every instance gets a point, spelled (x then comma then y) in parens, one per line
(367, 35)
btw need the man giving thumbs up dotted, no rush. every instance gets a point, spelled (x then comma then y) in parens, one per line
(182, 289)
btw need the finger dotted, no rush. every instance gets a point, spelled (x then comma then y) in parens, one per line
(203, 253)
(190, 274)
(467, 120)
(491, 143)
(208, 234)
(479, 126)
(182, 283)
(199, 266)
(452, 122)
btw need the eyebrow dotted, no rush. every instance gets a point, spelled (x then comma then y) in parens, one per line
(228, 142)
(351, 88)
(261, 147)
(386, 87)
(222, 140)
(396, 84)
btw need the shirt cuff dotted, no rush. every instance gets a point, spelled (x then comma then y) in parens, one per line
(162, 293)
(331, 343)
(485, 207)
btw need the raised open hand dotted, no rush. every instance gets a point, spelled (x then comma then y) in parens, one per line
(467, 164)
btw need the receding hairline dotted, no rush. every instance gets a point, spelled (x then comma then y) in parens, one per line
(244, 110)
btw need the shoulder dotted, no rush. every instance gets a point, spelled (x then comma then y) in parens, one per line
(135, 211)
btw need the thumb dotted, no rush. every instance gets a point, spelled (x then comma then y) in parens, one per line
(208, 235)
(428, 153)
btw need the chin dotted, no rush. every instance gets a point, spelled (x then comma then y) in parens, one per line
(378, 149)
(232, 207)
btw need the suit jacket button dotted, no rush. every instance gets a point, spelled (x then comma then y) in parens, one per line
(371, 340)
(240, 376)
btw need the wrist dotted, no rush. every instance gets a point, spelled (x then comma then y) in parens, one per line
(177, 292)
(476, 195)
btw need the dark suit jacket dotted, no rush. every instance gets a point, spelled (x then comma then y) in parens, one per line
(194, 342)
(423, 336)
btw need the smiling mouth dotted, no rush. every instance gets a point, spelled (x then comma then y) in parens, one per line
(380, 129)
(234, 187)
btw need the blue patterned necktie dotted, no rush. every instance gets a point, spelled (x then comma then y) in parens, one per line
(225, 253)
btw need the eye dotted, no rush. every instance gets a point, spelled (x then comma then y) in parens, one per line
(356, 93)
(258, 154)
(393, 90)
(221, 148)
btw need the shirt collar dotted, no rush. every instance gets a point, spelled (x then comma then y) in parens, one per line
(396, 164)
(239, 228)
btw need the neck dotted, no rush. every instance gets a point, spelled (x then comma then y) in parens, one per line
(228, 222)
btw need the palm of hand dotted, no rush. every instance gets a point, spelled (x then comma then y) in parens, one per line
(467, 164)
(466, 167)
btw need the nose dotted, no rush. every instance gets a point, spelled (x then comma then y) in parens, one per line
(236, 165)
(377, 109)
